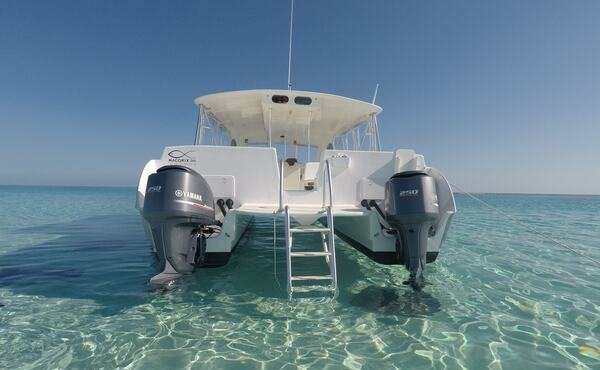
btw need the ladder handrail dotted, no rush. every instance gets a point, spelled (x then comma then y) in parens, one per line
(327, 176)
(331, 247)
(331, 239)
(330, 236)
(281, 185)
(288, 249)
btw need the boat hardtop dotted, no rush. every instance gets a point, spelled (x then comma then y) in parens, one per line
(260, 116)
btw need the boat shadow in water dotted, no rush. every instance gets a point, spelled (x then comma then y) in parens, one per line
(105, 259)
(396, 301)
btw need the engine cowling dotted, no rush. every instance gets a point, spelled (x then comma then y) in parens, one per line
(178, 204)
(411, 207)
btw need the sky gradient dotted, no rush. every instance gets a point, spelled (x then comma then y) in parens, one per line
(502, 97)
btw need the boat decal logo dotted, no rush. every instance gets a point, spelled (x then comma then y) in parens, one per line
(154, 189)
(188, 194)
(177, 155)
(408, 193)
(195, 204)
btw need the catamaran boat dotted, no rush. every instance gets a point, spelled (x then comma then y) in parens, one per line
(311, 160)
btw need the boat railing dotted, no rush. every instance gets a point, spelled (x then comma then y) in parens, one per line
(327, 177)
(281, 185)
(331, 234)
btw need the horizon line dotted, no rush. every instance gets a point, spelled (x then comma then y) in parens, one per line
(455, 192)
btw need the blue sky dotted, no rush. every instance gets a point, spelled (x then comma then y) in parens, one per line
(501, 96)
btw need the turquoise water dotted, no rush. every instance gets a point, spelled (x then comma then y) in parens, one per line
(74, 264)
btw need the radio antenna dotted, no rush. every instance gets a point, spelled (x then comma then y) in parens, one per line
(290, 49)
(375, 93)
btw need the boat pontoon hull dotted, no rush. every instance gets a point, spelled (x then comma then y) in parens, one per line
(248, 180)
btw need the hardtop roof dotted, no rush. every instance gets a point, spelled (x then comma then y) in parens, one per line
(247, 115)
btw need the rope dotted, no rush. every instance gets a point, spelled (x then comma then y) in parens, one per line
(524, 225)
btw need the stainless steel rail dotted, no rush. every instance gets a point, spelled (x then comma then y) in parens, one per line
(331, 235)
(281, 185)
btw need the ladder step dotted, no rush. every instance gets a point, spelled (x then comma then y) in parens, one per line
(302, 229)
(313, 288)
(312, 277)
(309, 254)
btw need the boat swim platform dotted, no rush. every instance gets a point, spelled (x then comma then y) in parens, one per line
(345, 210)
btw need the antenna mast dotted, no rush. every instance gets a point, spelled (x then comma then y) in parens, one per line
(290, 50)
(375, 93)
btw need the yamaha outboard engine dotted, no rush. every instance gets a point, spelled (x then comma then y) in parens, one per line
(179, 206)
(411, 207)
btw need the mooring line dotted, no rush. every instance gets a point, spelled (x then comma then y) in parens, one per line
(526, 226)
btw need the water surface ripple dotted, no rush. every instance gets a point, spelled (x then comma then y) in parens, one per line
(74, 265)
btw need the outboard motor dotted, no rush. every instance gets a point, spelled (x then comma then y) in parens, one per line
(178, 206)
(411, 207)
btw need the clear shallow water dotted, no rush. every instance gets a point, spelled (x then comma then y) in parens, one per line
(74, 264)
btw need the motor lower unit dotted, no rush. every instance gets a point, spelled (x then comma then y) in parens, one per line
(411, 207)
(179, 207)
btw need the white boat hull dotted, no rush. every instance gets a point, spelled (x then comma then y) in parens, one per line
(388, 204)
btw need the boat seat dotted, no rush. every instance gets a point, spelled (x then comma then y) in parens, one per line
(309, 174)
(292, 174)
